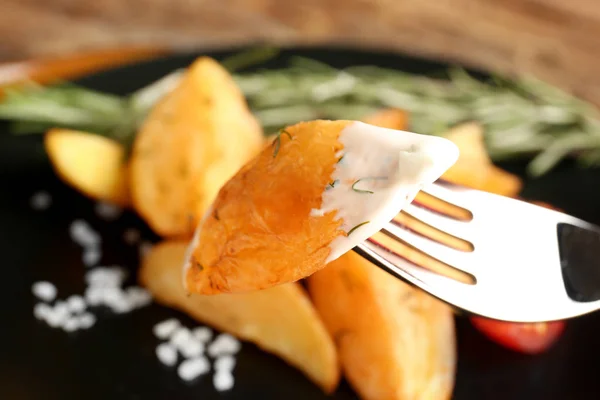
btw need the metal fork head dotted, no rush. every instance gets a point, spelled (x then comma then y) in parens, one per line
(527, 263)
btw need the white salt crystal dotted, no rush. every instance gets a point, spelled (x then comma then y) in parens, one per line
(76, 304)
(41, 311)
(166, 354)
(91, 256)
(61, 308)
(138, 297)
(106, 277)
(40, 200)
(191, 348)
(223, 380)
(225, 362)
(94, 296)
(71, 324)
(82, 233)
(86, 320)
(44, 290)
(224, 344)
(108, 211)
(202, 333)
(192, 368)
(166, 328)
(180, 337)
(116, 300)
(56, 319)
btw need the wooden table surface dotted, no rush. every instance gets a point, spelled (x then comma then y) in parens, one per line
(556, 40)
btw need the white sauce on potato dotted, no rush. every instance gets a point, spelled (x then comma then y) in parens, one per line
(380, 172)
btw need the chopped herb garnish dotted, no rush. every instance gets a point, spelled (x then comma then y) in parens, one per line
(277, 141)
(332, 184)
(522, 117)
(341, 158)
(356, 227)
(360, 190)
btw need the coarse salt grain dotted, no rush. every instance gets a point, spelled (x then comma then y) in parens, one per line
(192, 368)
(108, 211)
(105, 277)
(71, 324)
(56, 319)
(224, 344)
(131, 236)
(180, 337)
(61, 309)
(83, 234)
(86, 320)
(166, 354)
(44, 290)
(91, 256)
(223, 380)
(192, 348)
(76, 304)
(225, 362)
(40, 200)
(202, 333)
(166, 328)
(41, 311)
(138, 297)
(115, 299)
(93, 296)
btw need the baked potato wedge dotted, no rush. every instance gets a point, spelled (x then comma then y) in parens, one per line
(280, 320)
(193, 141)
(265, 208)
(92, 164)
(394, 342)
(392, 118)
(286, 214)
(474, 167)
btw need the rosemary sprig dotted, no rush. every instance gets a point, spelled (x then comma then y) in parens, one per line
(277, 141)
(360, 190)
(356, 227)
(522, 118)
(332, 184)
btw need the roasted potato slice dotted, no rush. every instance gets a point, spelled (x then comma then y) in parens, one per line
(395, 342)
(266, 207)
(392, 118)
(280, 320)
(474, 167)
(192, 142)
(92, 164)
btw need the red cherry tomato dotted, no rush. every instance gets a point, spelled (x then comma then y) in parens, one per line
(531, 338)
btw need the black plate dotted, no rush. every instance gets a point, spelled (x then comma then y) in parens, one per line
(115, 359)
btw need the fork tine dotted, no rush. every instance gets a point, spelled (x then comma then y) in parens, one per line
(446, 289)
(449, 193)
(455, 258)
(451, 226)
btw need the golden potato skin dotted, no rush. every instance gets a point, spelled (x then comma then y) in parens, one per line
(395, 342)
(265, 208)
(280, 320)
(92, 164)
(192, 142)
(391, 118)
(474, 167)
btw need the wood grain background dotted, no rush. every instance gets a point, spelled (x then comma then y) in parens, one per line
(556, 40)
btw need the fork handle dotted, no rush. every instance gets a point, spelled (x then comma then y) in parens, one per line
(579, 250)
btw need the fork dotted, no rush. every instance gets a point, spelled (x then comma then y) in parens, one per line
(526, 263)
